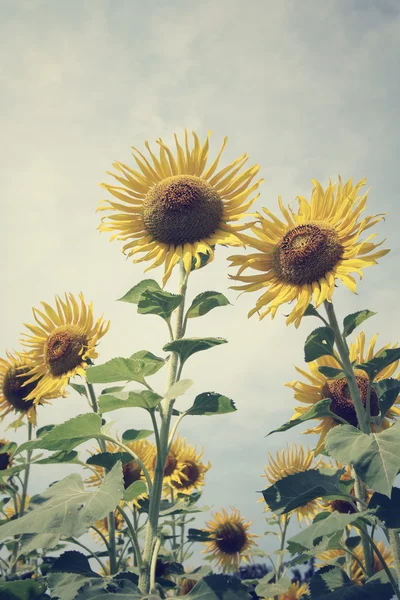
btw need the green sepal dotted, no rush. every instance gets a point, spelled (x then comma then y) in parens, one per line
(331, 372)
(205, 302)
(79, 388)
(319, 343)
(311, 311)
(135, 293)
(354, 320)
(185, 347)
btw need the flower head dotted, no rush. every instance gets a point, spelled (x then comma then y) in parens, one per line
(61, 343)
(192, 470)
(174, 207)
(295, 592)
(301, 257)
(287, 462)
(230, 540)
(318, 386)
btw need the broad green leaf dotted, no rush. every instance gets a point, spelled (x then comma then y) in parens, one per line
(219, 587)
(188, 346)
(140, 365)
(67, 509)
(79, 388)
(198, 535)
(134, 293)
(211, 403)
(108, 459)
(28, 589)
(319, 343)
(354, 320)
(298, 489)
(375, 457)
(178, 389)
(62, 456)
(134, 490)
(331, 372)
(158, 302)
(131, 435)
(387, 391)
(151, 363)
(380, 361)
(67, 435)
(119, 589)
(42, 541)
(66, 586)
(73, 561)
(141, 399)
(335, 522)
(269, 590)
(387, 509)
(333, 583)
(318, 410)
(205, 302)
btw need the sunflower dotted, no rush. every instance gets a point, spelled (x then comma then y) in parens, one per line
(301, 259)
(295, 592)
(319, 387)
(192, 470)
(230, 541)
(131, 471)
(15, 389)
(186, 586)
(5, 457)
(287, 462)
(102, 525)
(174, 463)
(63, 342)
(357, 574)
(342, 506)
(176, 208)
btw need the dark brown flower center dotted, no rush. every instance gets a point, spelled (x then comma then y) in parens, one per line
(14, 390)
(170, 464)
(306, 253)
(4, 457)
(342, 506)
(131, 473)
(230, 538)
(182, 209)
(186, 586)
(64, 348)
(190, 472)
(342, 404)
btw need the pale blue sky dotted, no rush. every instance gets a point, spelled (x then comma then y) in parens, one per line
(308, 89)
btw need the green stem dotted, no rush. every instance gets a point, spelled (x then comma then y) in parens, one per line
(88, 550)
(180, 553)
(387, 570)
(101, 535)
(154, 563)
(133, 537)
(283, 528)
(365, 538)
(395, 546)
(166, 414)
(146, 474)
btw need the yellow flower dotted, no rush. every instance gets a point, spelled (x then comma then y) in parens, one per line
(319, 387)
(357, 574)
(173, 465)
(192, 470)
(342, 506)
(287, 462)
(230, 540)
(15, 389)
(301, 259)
(63, 341)
(131, 471)
(174, 207)
(295, 592)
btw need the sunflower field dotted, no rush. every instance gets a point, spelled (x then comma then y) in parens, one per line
(127, 522)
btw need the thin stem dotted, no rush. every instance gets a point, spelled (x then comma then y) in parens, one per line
(180, 553)
(156, 431)
(387, 570)
(395, 546)
(368, 554)
(26, 473)
(175, 427)
(100, 534)
(74, 541)
(173, 526)
(283, 525)
(133, 536)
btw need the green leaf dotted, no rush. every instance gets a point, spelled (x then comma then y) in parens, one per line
(387, 391)
(27, 589)
(311, 311)
(188, 346)
(335, 522)
(72, 561)
(79, 388)
(269, 590)
(318, 410)
(198, 535)
(205, 302)
(211, 403)
(354, 320)
(219, 587)
(331, 372)
(380, 361)
(131, 435)
(142, 399)
(44, 541)
(333, 583)
(375, 457)
(319, 343)
(158, 302)
(42, 430)
(66, 586)
(387, 509)
(59, 457)
(134, 293)
(66, 509)
(108, 459)
(112, 389)
(178, 389)
(67, 435)
(140, 365)
(352, 542)
(134, 490)
(298, 489)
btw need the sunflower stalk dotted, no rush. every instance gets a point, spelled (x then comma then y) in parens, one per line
(151, 549)
(395, 546)
(283, 525)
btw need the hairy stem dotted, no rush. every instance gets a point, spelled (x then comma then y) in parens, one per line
(395, 546)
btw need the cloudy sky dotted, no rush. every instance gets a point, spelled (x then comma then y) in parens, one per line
(308, 89)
